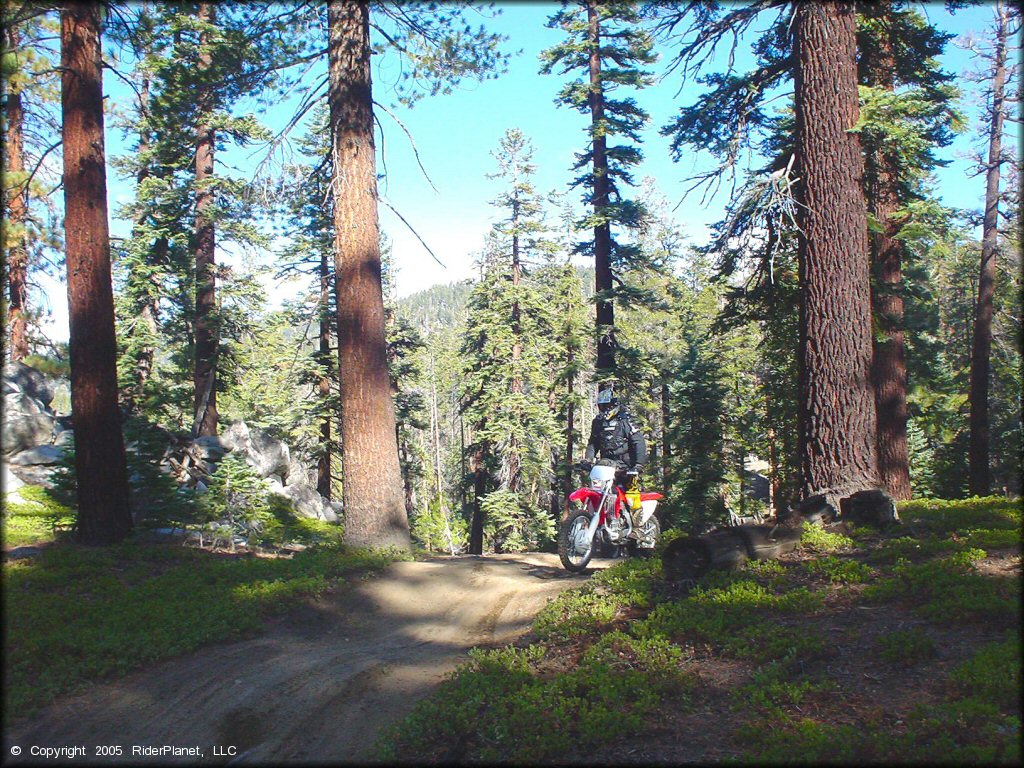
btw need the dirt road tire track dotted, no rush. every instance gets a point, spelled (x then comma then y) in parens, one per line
(322, 682)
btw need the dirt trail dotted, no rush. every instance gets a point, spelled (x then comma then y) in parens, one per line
(321, 682)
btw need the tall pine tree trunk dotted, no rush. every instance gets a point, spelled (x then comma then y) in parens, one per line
(836, 398)
(323, 468)
(979, 476)
(514, 456)
(16, 213)
(206, 325)
(104, 516)
(372, 478)
(570, 429)
(602, 231)
(476, 525)
(889, 367)
(666, 444)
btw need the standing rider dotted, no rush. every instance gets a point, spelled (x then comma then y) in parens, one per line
(614, 436)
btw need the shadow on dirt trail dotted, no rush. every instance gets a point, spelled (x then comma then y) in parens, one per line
(323, 680)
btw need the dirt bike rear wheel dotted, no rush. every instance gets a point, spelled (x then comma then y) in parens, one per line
(568, 534)
(653, 529)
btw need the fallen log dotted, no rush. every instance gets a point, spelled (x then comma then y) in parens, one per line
(691, 557)
(767, 542)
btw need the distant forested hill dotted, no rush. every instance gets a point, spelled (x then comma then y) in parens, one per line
(443, 306)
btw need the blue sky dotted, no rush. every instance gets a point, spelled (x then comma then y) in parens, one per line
(456, 134)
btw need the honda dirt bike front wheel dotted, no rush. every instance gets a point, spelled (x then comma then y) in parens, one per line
(574, 546)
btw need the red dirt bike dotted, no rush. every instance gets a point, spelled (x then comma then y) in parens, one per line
(600, 514)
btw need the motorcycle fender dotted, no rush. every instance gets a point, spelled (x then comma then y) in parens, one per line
(585, 494)
(647, 509)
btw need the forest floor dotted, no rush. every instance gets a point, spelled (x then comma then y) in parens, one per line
(861, 647)
(320, 682)
(858, 647)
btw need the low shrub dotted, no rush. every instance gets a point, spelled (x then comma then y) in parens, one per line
(495, 710)
(774, 690)
(906, 646)
(574, 613)
(951, 590)
(993, 674)
(941, 518)
(734, 618)
(817, 539)
(839, 571)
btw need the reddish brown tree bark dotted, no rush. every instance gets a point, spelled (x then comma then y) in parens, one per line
(16, 205)
(323, 469)
(371, 474)
(476, 525)
(103, 507)
(979, 473)
(836, 399)
(206, 325)
(889, 366)
(602, 232)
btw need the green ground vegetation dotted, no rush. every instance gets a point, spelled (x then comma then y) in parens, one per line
(33, 516)
(75, 614)
(624, 658)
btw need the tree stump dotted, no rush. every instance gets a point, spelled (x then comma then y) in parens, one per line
(816, 510)
(872, 507)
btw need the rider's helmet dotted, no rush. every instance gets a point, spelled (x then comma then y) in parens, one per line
(607, 403)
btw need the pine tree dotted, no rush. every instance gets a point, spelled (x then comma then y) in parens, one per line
(190, 70)
(899, 131)
(507, 350)
(30, 231)
(1006, 27)
(568, 367)
(605, 43)
(15, 207)
(100, 465)
(837, 413)
(441, 52)
(309, 210)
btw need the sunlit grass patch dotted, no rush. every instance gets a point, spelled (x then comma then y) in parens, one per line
(939, 517)
(631, 581)
(574, 613)
(32, 516)
(737, 619)
(839, 571)
(817, 539)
